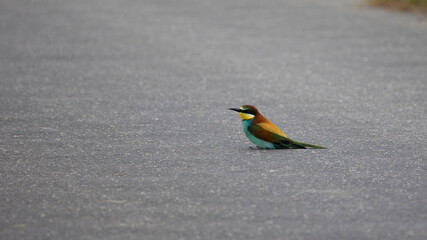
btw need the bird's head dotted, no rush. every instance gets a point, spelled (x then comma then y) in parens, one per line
(246, 112)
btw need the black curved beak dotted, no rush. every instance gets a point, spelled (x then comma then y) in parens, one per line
(235, 109)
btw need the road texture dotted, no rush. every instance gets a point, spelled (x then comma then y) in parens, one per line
(114, 120)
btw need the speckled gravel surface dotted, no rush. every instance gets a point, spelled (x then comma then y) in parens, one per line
(114, 121)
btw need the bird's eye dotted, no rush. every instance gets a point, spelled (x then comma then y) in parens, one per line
(249, 111)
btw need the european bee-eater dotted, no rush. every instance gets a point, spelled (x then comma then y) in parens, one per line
(264, 133)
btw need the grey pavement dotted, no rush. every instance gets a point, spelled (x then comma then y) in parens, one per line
(114, 121)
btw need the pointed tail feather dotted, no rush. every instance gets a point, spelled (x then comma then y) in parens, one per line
(309, 145)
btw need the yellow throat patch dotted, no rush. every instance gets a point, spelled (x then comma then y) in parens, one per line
(246, 116)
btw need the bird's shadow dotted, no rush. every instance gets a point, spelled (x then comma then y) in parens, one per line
(275, 149)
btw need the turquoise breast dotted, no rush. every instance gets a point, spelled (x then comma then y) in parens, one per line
(259, 142)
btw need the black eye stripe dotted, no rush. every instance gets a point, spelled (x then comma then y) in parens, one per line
(249, 111)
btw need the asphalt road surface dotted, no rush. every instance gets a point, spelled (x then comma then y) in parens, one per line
(114, 120)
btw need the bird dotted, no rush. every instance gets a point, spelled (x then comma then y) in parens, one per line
(264, 133)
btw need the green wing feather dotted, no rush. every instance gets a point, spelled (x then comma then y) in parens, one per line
(278, 140)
